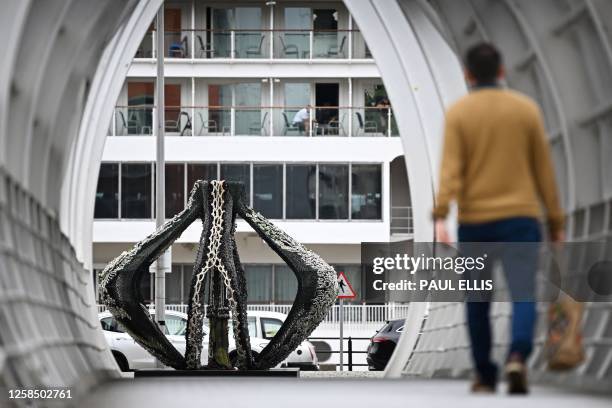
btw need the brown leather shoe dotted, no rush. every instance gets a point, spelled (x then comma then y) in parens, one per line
(516, 374)
(478, 387)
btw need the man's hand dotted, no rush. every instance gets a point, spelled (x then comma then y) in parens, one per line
(441, 232)
(557, 237)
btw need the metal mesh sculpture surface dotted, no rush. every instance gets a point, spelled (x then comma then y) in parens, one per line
(217, 266)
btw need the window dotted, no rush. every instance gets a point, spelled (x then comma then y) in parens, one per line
(285, 284)
(248, 119)
(366, 192)
(110, 324)
(259, 282)
(252, 322)
(176, 326)
(174, 283)
(333, 191)
(107, 192)
(205, 172)
(175, 189)
(136, 187)
(301, 191)
(138, 119)
(270, 327)
(240, 173)
(268, 190)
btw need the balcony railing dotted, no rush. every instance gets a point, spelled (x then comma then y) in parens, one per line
(258, 44)
(315, 121)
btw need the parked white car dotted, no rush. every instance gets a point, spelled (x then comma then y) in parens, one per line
(262, 327)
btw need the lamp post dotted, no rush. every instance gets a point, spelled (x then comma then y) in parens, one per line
(163, 262)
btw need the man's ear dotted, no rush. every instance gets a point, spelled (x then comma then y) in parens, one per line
(501, 73)
(469, 78)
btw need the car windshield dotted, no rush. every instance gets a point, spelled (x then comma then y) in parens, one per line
(110, 324)
(252, 322)
(175, 325)
(270, 327)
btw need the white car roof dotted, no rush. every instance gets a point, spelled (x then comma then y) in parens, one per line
(254, 313)
(262, 313)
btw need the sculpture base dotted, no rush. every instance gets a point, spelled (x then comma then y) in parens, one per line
(274, 372)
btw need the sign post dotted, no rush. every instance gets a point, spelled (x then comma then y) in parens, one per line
(345, 291)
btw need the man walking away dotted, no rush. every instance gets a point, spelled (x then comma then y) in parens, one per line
(496, 164)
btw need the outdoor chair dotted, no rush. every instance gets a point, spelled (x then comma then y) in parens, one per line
(209, 125)
(366, 127)
(256, 51)
(336, 51)
(289, 127)
(336, 127)
(259, 128)
(290, 49)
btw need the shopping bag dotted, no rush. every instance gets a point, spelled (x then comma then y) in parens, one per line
(564, 341)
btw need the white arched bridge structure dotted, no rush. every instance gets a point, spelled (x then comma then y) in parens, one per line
(63, 65)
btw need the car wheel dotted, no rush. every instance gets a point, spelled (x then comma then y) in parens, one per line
(121, 361)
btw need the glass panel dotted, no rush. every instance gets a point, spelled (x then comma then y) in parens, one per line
(327, 42)
(238, 172)
(138, 118)
(259, 282)
(374, 119)
(221, 37)
(107, 192)
(172, 97)
(353, 274)
(187, 272)
(366, 192)
(135, 190)
(285, 284)
(195, 172)
(301, 191)
(333, 192)
(248, 121)
(173, 285)
(268, 190)
(218, 119)
(295, 42)
(175, 42)
(145, 50)
(147, 286)
(175, 189)
(250, 41)
(297, 108)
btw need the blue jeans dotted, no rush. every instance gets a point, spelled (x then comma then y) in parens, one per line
(520, 272)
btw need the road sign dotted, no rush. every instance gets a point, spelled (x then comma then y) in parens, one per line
(345, 291)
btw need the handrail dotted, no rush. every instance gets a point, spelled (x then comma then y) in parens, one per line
(253, 107)
(274, 30)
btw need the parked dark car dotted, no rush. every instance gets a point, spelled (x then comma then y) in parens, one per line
(383, 343)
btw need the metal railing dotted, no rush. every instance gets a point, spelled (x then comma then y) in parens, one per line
(282, 44)
(353, 314)
(401, 221)
(310, 121)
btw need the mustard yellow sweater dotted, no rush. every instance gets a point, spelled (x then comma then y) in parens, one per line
(496, 160)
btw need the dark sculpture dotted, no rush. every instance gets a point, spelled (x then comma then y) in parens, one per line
(217, 265)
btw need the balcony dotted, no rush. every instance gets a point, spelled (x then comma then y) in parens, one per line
(270, 44)
(290, 121)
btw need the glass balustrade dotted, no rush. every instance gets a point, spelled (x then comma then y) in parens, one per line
(308, 121)
(258, 44)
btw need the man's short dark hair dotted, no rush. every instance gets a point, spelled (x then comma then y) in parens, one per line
(483, 62)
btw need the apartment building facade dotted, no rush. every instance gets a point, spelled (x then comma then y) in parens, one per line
(283, 96)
